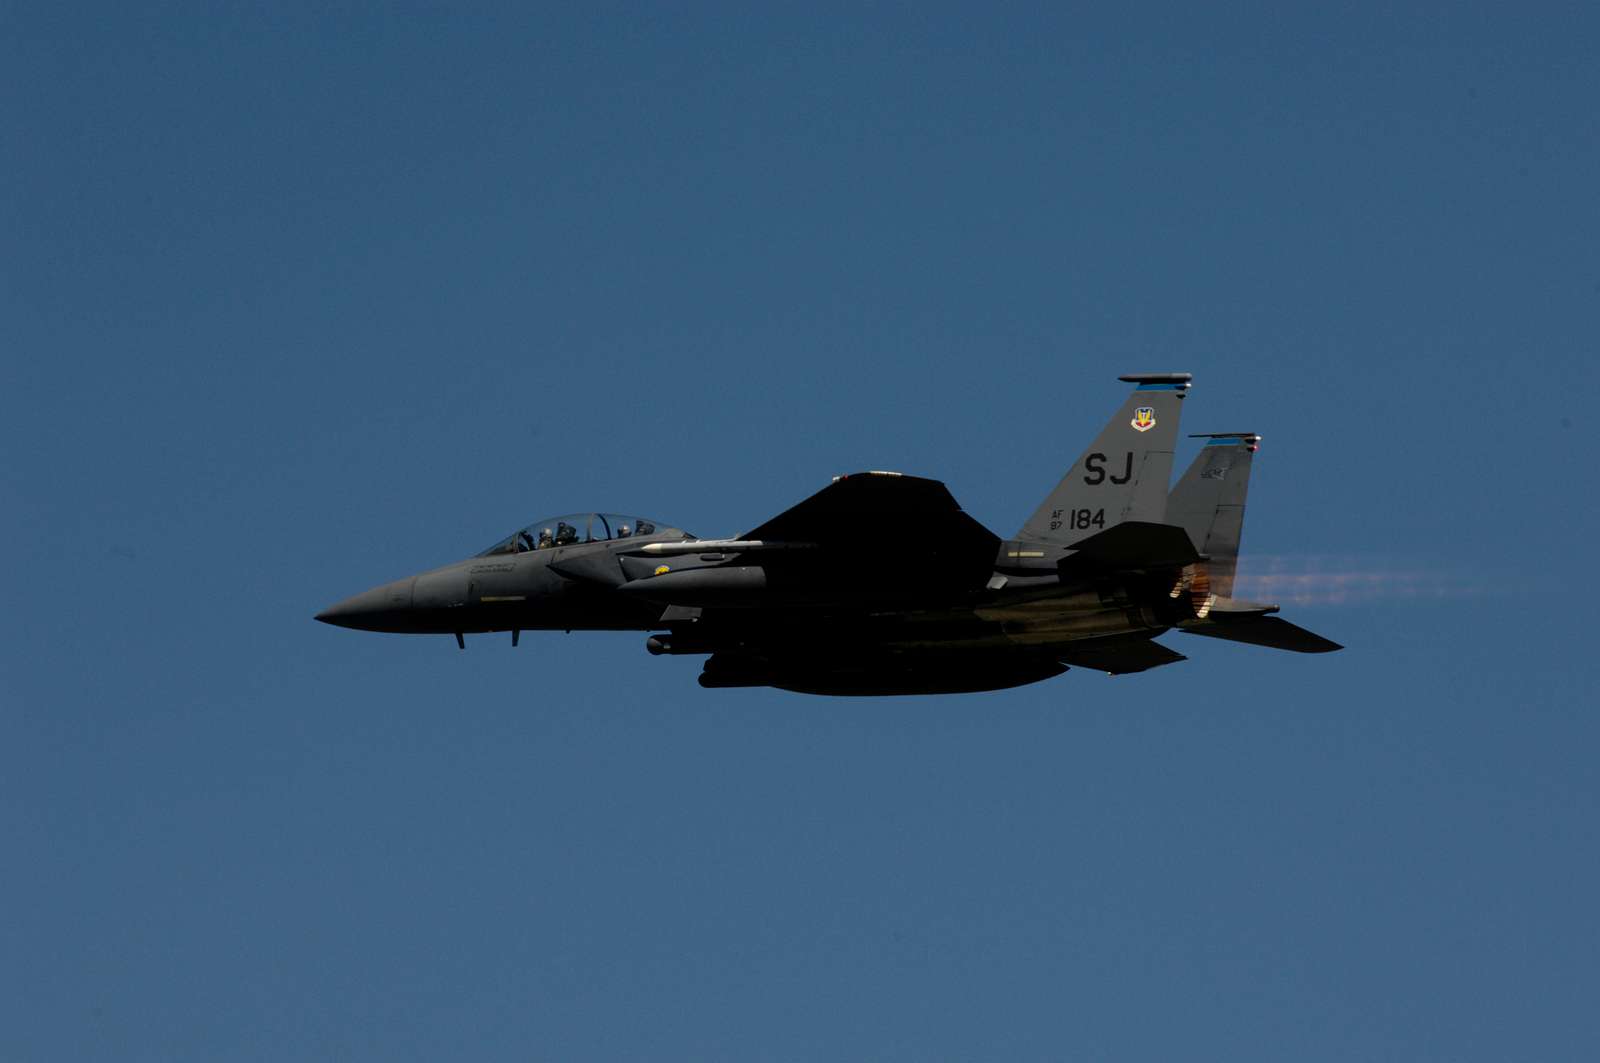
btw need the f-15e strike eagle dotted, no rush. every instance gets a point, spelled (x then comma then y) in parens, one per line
(815, 602)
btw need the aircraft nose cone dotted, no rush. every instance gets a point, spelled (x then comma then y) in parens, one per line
(380, 609)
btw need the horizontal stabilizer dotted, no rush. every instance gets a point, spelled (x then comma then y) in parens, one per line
(1231, 607)
(1132, 544)
(1268, 631)
(1118, 656)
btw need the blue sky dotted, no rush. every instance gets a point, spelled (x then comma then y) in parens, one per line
(299, 300)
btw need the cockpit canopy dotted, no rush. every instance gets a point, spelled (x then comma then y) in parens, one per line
(577, 528)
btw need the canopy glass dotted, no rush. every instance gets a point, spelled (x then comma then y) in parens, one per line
(576, 528)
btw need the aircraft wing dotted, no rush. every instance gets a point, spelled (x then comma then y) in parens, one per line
(884, 507)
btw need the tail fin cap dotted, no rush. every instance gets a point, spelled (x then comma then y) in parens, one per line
(1159, 381)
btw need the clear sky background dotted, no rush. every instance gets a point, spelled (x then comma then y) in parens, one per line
(300, 299)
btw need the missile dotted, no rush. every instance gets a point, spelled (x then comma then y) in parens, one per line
(718, 546)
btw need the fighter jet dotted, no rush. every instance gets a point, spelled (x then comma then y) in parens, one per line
(880, 584)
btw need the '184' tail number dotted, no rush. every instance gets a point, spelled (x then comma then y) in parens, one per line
(1077, 519)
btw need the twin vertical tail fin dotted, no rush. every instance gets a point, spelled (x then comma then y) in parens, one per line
(1123, 476)
(1208, 503)
(1120, 483)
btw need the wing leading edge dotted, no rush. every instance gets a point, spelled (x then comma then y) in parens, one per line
(877, 505)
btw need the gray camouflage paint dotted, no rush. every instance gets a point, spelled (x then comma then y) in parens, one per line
(803, 602)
